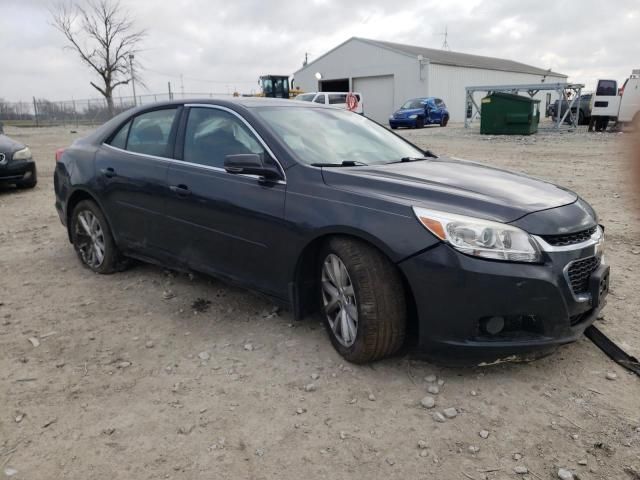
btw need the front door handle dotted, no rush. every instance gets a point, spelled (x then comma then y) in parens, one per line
(180, 190)
(108, 172)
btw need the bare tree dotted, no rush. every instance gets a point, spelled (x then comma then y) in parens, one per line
(104, 37)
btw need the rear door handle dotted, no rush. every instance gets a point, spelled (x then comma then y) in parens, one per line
(180, 190)
(108, 172)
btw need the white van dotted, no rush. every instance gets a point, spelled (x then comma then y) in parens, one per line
(622, 105)
(336, 99)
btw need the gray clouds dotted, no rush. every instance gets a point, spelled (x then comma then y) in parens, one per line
(230, 43)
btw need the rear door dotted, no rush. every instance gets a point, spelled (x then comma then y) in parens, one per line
(132, 175)
(222, 223)
(606, 101)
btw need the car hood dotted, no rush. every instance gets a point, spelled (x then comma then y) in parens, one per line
(408, 111)
(453, 185)
(9, 146)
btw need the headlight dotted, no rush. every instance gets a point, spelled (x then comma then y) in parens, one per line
(480, 238)
(24, 154)
(413, 116)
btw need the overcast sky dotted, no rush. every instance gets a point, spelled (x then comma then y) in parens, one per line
(220, 46)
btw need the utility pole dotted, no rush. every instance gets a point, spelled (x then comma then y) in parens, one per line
(133, 80)
(445, 44)
(170, 94)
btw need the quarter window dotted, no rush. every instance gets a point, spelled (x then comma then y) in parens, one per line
(150, 132)
(212, 134)
(336, 98)
(119, 140)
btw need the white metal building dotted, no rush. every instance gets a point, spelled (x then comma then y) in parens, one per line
(388, 73)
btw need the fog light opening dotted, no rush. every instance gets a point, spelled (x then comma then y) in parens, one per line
(493, 325)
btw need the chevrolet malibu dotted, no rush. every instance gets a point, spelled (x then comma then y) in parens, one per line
(327, 212)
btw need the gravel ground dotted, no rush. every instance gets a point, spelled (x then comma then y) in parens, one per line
(137, 375)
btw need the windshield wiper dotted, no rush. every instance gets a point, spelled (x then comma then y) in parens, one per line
(427, 155)
(345, 163)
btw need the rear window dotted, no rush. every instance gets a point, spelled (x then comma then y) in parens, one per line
(149, 133)
(607, 88)
(306, 97)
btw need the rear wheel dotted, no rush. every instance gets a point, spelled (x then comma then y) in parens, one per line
(92, 239)
(419, 122)
(362, 300)
(444, 121)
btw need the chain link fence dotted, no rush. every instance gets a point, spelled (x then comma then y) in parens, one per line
(94, 111)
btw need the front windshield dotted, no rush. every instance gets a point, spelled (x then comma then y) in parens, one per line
(415, 103)
(328, 136)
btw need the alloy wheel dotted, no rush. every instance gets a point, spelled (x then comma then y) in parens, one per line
(339, 300)
(90, 238)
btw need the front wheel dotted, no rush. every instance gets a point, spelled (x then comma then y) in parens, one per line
(362, 300)
(92, 239)
(419, 122)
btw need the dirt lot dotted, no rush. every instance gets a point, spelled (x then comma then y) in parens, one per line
(129, 381)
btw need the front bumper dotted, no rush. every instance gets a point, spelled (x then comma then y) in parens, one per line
(17, 171)
(456, 295)
(402, 122)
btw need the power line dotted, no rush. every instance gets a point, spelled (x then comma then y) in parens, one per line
(193, 79)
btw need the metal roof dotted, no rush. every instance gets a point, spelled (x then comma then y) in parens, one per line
(457, 59)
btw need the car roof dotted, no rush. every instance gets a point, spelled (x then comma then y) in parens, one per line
(107, 128)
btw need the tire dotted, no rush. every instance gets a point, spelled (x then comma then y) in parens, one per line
(393, 127)
(444, 121)
(373, 290)
(419, 122)
(81, 219)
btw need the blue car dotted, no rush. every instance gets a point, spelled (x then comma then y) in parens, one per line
(418, 112)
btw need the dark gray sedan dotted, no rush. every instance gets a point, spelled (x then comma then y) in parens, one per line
(326, 211)
(16, 164)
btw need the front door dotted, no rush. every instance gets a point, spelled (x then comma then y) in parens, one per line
(132, 173)
(225, 224)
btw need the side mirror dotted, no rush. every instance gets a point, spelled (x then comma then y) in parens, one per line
(251, 164)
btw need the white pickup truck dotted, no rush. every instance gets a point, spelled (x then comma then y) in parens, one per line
(611, 103)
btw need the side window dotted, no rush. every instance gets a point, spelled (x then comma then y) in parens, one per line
(119, 140)
(335, 98)
(319, 99)
(212, 134)
(150, 132)
(607, 88)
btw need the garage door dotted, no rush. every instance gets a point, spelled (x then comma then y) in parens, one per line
(377, 93)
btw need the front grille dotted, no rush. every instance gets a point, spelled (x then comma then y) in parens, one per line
(570, 238)
(579, 273)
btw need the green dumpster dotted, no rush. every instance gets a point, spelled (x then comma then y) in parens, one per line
(508, 114)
